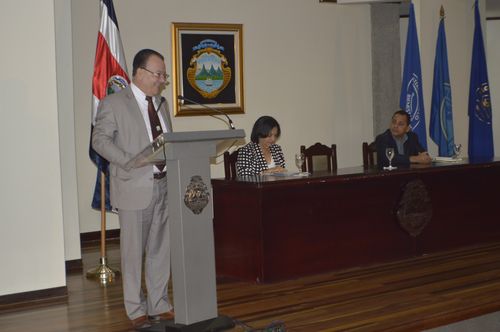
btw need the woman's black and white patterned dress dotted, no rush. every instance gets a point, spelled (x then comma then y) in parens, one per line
(251, 160)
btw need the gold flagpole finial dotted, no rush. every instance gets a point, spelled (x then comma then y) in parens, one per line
(441, 12)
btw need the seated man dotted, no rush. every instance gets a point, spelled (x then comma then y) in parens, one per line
(407, 149)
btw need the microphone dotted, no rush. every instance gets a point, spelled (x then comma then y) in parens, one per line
(231, 125)
(159, 105)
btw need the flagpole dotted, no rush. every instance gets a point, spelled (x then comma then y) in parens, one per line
(109, 63)
(105, 274)
(103, 215)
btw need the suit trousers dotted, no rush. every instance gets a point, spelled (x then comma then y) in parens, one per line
(145, 233)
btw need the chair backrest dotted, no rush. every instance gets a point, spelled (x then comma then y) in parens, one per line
(369, 154)
(230, 164)
(319, 154)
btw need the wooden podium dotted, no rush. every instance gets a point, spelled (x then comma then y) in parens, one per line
(190, 210)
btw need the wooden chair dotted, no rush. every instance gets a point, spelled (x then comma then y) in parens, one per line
(230, 164)
(369, 154)
(320, 154)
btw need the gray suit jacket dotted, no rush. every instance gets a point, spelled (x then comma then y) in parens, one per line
(119, 134)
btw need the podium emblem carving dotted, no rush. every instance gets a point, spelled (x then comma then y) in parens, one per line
(414, 210)
(197, 195)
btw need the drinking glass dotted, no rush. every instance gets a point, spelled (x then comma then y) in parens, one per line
(458, 149)
(299, 160)
(389, 153)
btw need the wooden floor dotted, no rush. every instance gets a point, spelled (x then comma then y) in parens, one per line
(405, 296)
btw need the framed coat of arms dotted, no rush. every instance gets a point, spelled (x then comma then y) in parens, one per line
(207, 65)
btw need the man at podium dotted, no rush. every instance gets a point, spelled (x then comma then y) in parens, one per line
(127, 122)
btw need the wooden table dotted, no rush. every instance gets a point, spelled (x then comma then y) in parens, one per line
(271, 228)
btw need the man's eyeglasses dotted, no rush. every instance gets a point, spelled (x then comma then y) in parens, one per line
(157, 74)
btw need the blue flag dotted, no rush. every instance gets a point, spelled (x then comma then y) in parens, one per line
(441, 124)
(480, 117)
(412, 100)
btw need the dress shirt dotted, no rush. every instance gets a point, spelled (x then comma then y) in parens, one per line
(140, 97)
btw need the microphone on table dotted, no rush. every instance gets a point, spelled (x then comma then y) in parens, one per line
(231, 125)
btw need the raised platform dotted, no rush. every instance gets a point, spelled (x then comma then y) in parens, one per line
(276, 228)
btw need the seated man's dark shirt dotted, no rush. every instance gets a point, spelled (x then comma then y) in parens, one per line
(411, 148)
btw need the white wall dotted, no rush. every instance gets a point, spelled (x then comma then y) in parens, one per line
(31, 222)
(64, 69)
(306, 63)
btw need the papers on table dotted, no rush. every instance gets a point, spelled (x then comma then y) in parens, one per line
(446, 159)
(301, 174)
(287, 174)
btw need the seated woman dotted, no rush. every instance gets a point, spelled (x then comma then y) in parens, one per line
(405, 143)
(262, 155)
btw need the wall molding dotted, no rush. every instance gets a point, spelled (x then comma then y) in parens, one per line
(34, 298)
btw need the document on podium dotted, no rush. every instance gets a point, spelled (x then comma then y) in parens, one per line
(152, 154)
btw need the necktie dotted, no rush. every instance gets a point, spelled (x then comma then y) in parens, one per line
(154, 120)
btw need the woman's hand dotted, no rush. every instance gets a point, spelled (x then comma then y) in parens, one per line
(277, 169)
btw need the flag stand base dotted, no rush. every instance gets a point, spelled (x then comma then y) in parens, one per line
(105, 274)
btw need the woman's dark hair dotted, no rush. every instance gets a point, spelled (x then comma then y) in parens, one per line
(262, 128)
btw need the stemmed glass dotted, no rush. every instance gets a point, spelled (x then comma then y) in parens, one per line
(299, 161)
(389, 153)
(457, 148)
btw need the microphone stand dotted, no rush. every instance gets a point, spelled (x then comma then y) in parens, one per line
(231, 124)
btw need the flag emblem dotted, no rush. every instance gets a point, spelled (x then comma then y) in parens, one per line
(115, 84)
(413, 100)
(482, 108)
(445, 111)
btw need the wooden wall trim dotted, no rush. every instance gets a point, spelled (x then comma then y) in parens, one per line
(73, 266)
(34, 298)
